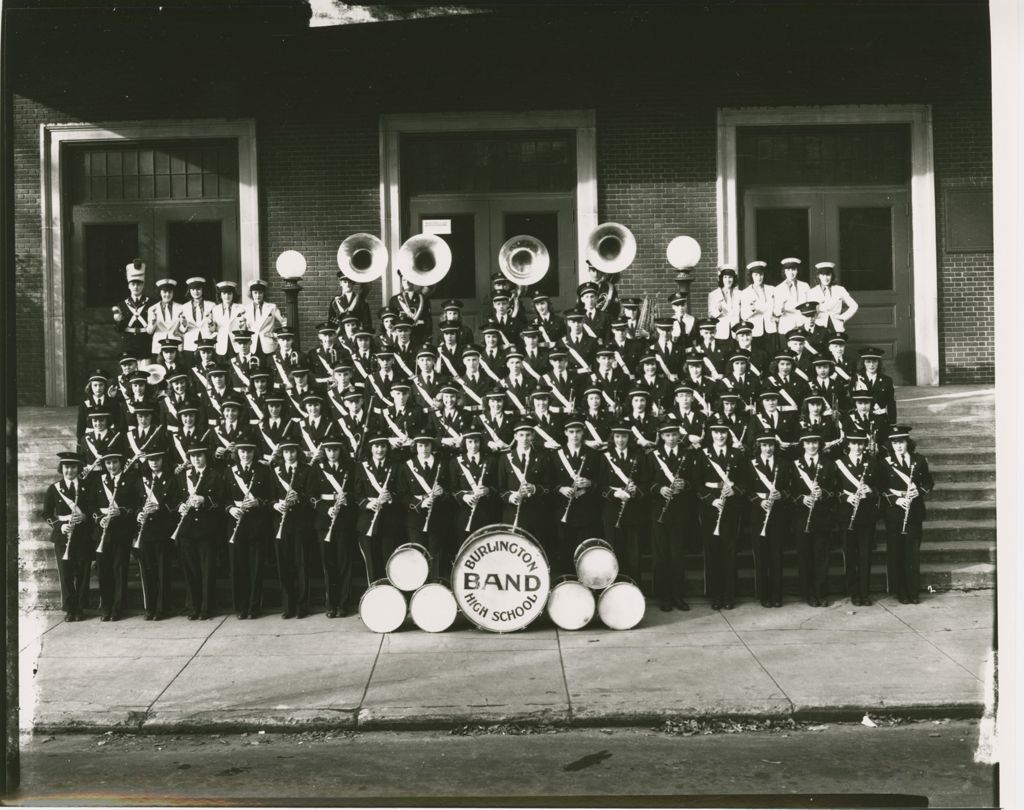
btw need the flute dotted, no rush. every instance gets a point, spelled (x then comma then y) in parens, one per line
(472, 509)
(771, 505)
(906, 513)
(380, 506)
(433, 498)
(287, 509)
(856, 506)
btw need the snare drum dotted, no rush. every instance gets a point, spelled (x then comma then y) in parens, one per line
(501, 578)
(433, 607)
(408, 566)
(621, 605)
(382, 607)
(571, 605)
(596, 563)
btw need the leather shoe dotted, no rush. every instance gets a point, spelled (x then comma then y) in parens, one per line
(904, 600)
(243, 616)
(682, 604)
(149, 617)
(193, 616)
(765, 603)
(204, 616)
(716, 606)
(856, 600)
(300, 614)
(69, 616)
(866, 602)
(343, 612)
(812, 602)
(332, 614)
(105, 617)
(666, 607)
(115, 617)
(777, 603)
(915, 600)
(288, 614)
(729, 605)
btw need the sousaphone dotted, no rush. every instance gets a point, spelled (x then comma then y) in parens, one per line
(362, 258)
(611, 247)
(524, 260)
(424, 259)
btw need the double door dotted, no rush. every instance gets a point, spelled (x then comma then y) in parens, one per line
(477, 226)
(177, 240)
(866, 233)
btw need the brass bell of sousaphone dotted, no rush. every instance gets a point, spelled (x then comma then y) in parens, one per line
(362, 258)
(611, 247)
(424, 259)
(524, 260)
(156, 373)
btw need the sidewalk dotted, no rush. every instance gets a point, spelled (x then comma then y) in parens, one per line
(270, 674)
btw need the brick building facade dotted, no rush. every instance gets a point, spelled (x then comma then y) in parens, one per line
(655, 84)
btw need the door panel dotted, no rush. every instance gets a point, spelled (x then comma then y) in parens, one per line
(103, 240)
(866, 232)
(197, 240)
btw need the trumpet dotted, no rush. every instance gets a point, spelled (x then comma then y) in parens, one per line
(906, 512)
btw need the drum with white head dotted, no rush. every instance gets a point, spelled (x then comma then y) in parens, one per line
(621, 605)
(571, 604)
(433, 607)
(596, 563)
(408, 566)
(382, 607)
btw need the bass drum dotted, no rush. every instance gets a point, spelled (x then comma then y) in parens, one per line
(621, 605)
(433, 607)
(408, 567)
(571, 605)
(382, 607)
(501, 578)
(596, 563)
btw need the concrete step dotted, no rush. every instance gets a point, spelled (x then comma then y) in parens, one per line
(966, 490)
(975, 454)
(950, 509)
(952, 472)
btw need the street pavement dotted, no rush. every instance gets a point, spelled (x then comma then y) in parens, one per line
(931, 659)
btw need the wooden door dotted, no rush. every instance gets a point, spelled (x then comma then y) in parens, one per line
(866, 233)
(199, 239)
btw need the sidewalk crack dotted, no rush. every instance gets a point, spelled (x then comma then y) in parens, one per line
(928, 640)
(163, 691)
(369, 680)
(792, 707)
(565, 679)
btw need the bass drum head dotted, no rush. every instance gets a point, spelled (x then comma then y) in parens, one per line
(408, 566)
(501, 579)
(621, 605)
(596, 564)
(382, 607)
(433, 607)
(571, 604)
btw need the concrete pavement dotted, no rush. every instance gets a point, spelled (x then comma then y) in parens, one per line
(226, 674)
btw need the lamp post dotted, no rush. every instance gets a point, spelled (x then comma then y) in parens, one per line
(291, 266)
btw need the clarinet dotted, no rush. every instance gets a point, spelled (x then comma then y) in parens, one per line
(480, 483)
(113, 505)
(721, 511)
(906, 513)
(771, 505)
(572, 497)
(810, 509)
(522, 491)
(188, 511)
(856, 506)
(622, 508)
(675, 475)
(380, 507)
(150, 498)
(348, 475)
(238, 523)
(430, 509)
(280, 526)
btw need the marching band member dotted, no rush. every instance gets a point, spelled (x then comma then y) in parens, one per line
(814, 482)
(791, 388)
(315, 428)
(507, 325)
(449, 421)
(342, 384)
(177, 397)
(301, 388)
(449, 353)
(228, 430)
(451, 316)
(130, 314)
(597, 419)
(835, 305)
(550, 325)
(817, 336)
(415, 306)
(334, 523)
(284, 359)
(350, 301)
(157, 494)
(758, 360)
(112, 503)
(214, 397)
(843, 365)
(756, 306)
(262, 317)
(690, 421)
(823, 384)
(119, 390)
(275, 428)
(783, 425)
(561, 382)
(350, 324)
(256, 398)
(384, 338)
(535, 359)
(856, 492)
(796, 343)
(98, 440)
(666, 351)
(710, 348)
(650, 379)
(402, 347)
(427, 381)
(244, 363)
(721, 480)
(96, 399)
(732, 414)
(596, 322)
(673, 514)
(771, 478)
(787, 297)
(861, 420)
(70, 533)
(474, 480)
(291, 486)
(684, 325)
(607, 299)
(206, 358)
(227, 318)
(379, 382)
(357, 422)
(739, 381)
(163, 318)
(642, 423)
(192, 432)
(575, 494)
(625, 350)
(374, 490)
(362, 357)
(697, 377)
(870, 377)
(170, 357)
(516, 383)
(247, 491)
(904, 480)
(497, 426)
(473, 383)
(423, 488)
(578, 345)
(492, 355)
(403, 421)
(547, 426)
(813, 418)
(197, 316)
(623, 484)
(724, 303)
(322, 360)
(200, 490)
(143, 437)
(524, 475)
(631, 314)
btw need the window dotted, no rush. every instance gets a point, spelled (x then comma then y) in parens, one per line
(106, 247)
(865, 248)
